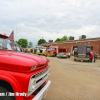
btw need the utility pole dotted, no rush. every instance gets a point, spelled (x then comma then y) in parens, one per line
(16, 34)
(42, 39)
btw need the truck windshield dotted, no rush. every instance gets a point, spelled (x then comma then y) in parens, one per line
(43, 48)
(52, 48)
(37, 47)
(5, 44)
(16, 47)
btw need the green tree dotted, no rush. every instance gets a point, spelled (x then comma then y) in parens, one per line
(64, 38)
(41, 41)
(57, 40)
(23, 42)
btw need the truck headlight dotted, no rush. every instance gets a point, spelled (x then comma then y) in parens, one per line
(31, 85)
(68, 53)
(33, 67)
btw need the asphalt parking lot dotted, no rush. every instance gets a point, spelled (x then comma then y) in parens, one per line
(73, 80)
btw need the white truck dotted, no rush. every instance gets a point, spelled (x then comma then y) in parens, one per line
(40, 50)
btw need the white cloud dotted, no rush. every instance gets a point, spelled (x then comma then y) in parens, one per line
(50, 18)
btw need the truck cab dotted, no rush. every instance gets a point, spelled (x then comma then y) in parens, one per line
(63, 53)
(23, 76)
(51, 51)
(40, 50)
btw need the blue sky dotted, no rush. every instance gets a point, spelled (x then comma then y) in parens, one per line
(50, 19)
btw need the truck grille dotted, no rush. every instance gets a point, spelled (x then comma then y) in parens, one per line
(49, 51)
(39, 79)
(81, 55)
(61, 54)
(40, 73)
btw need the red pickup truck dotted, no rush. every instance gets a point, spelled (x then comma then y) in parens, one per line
(22, 76)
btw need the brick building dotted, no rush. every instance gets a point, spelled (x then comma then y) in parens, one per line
(95, 42)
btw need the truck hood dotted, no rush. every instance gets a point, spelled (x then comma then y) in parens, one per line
(20, 62)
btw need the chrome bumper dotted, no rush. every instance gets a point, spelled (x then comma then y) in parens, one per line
(42, 92)
(62, 56)
(49, 54)
(80, 58)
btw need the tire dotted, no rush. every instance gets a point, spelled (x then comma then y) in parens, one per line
(54, 54)
(6, 93)
(74, 59)
(88, 60)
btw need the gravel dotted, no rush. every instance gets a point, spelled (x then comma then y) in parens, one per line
(72, 80)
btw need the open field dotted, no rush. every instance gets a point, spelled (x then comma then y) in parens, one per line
(73, 80)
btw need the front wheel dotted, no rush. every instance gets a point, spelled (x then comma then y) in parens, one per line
(54, 54)
(88, 60)
(74, 59)
(5, 95)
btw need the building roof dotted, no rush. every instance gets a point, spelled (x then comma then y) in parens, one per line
(73, 41)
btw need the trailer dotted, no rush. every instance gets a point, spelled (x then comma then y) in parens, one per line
(82, 52)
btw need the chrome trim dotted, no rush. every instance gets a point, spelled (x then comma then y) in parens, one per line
(38, 79)
(40, 95)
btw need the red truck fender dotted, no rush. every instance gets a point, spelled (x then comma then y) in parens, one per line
(14, 84)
